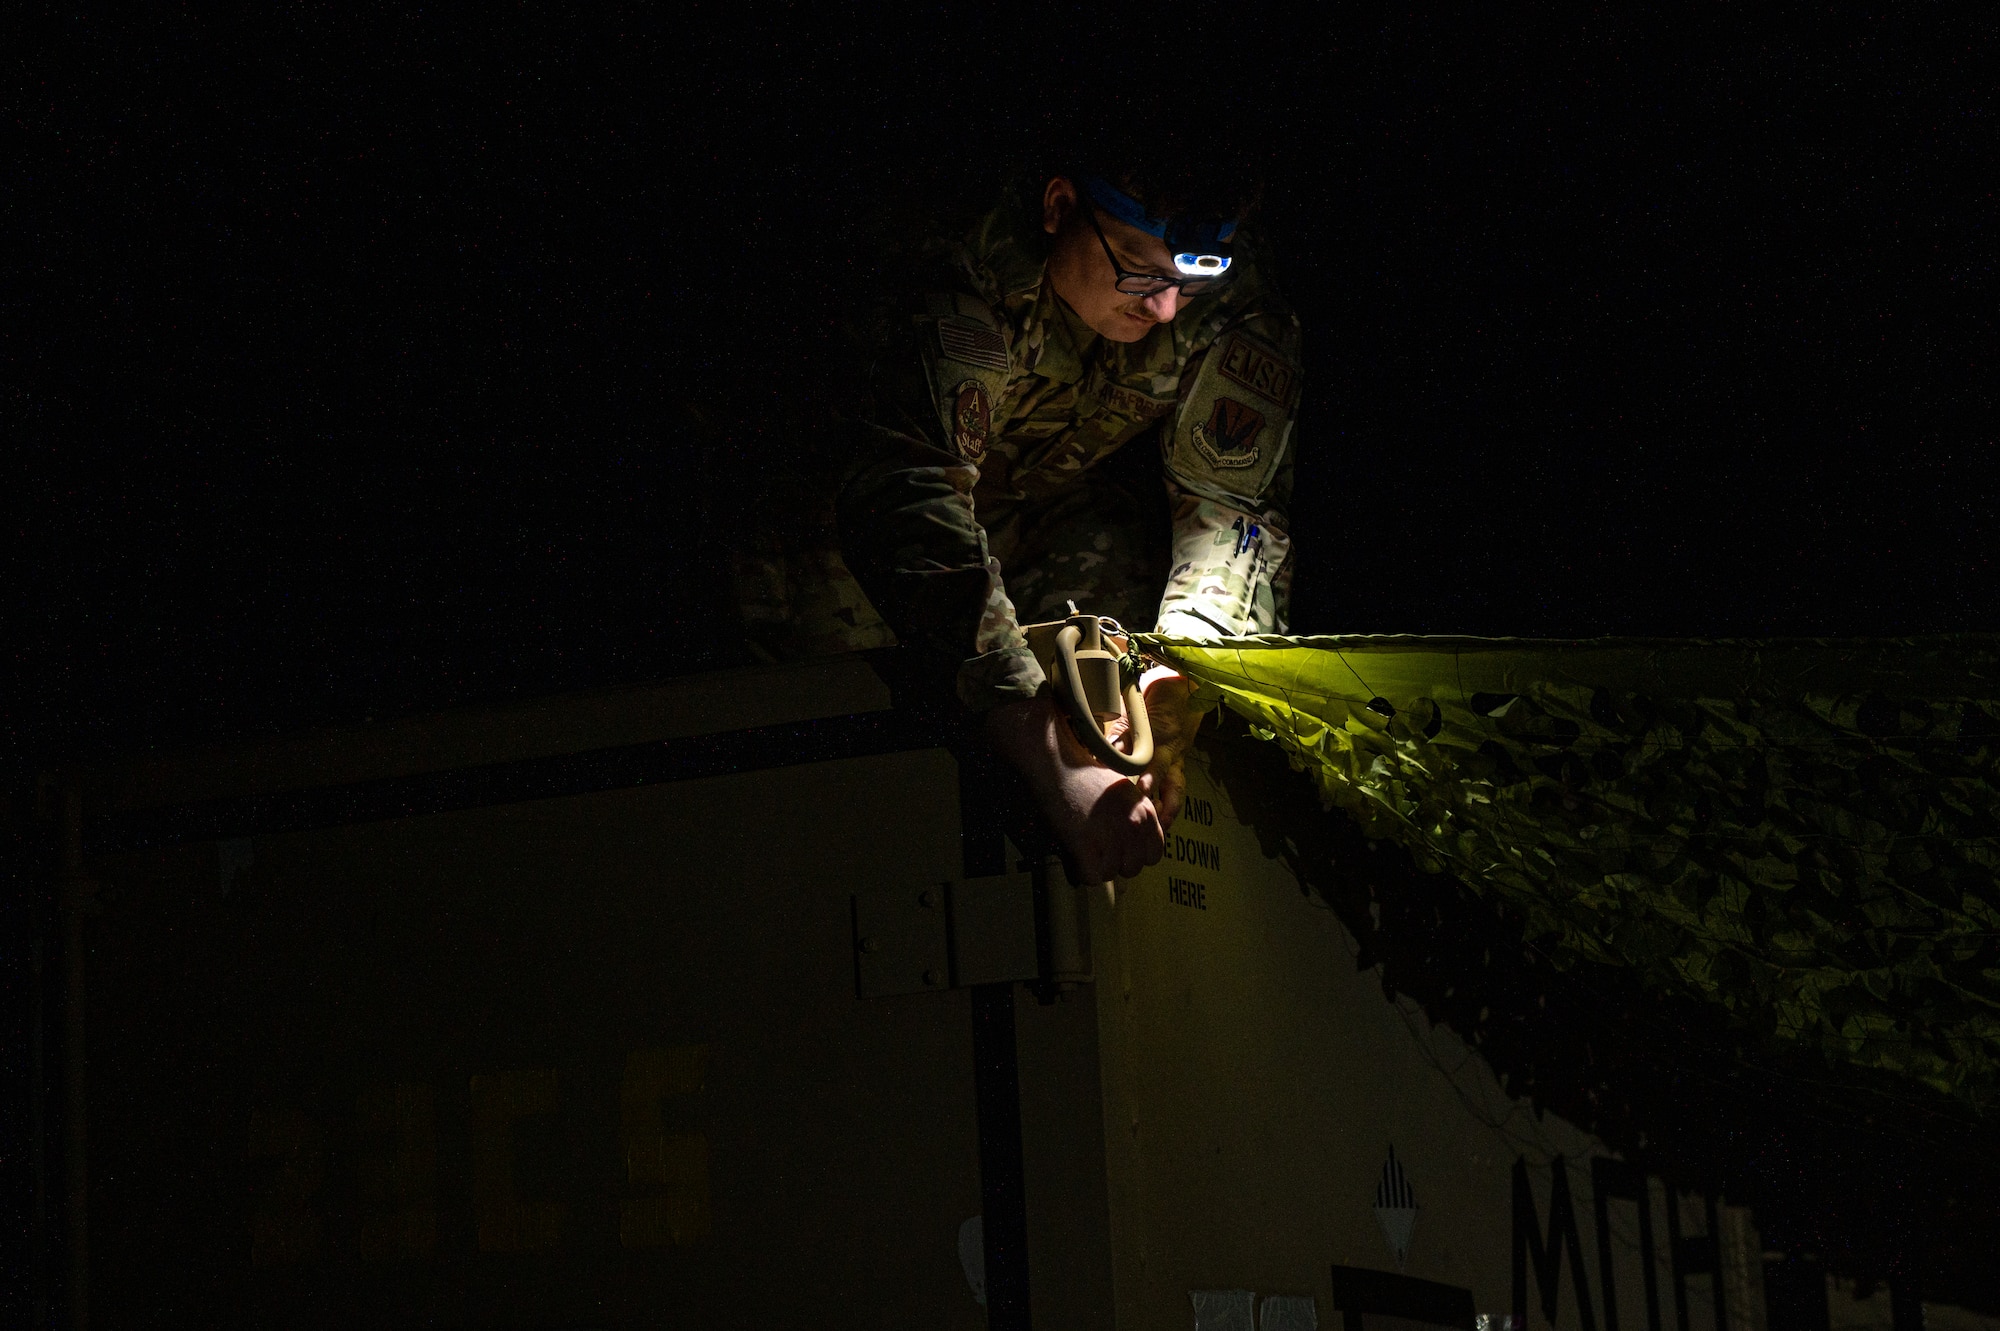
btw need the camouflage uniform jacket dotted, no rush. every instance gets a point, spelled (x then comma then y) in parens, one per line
(989, 393)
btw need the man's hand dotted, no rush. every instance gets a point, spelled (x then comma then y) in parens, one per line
(1104, 821)
(1174, 724)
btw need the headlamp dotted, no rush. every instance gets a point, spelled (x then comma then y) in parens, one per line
(1201, 265)
(1195, 242)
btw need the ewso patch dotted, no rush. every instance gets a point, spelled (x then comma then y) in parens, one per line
(1236, 419)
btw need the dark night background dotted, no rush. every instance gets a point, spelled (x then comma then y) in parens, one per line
(355, 369)
(350, 375)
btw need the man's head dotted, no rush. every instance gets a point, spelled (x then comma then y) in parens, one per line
(1116, 236)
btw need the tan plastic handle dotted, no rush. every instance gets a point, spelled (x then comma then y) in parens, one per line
(1075, 702)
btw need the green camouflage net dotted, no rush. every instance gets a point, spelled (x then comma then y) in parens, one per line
(1806, 833)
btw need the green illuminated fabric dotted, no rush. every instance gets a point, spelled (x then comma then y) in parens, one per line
(1805, 832)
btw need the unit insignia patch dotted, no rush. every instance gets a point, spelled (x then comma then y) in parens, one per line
(1228, 438)
(1234, 422)
(971, 420)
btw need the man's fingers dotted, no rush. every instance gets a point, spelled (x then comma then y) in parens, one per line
(1129, 833)
(1165, 783)
(1149, 844)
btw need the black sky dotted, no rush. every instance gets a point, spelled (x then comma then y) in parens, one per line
(349, 363)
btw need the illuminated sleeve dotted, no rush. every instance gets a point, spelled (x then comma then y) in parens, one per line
(1231, 573)
(1229, 469)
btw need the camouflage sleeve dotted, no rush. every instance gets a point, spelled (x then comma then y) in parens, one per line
(1229, 466)
(1231, 573)
(907, 526)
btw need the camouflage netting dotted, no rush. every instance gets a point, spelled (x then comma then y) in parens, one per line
(1805, 833)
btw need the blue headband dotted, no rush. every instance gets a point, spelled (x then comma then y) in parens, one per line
(1180, 233)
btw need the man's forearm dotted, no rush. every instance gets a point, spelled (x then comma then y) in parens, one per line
(1229, 571)
(909, 535)
(1024, 733)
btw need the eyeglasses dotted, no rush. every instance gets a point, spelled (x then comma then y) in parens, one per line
(1150, 284)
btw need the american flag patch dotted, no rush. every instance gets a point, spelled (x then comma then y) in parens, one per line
(969, 343)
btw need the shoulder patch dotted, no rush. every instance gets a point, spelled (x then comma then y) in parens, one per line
(971, 420)
(1230, 439)
(966, 356)
(971, 343)
(1259, 368)
(1235, 419)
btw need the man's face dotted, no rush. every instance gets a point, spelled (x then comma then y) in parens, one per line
(1084, 278)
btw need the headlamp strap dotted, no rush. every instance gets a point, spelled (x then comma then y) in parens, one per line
(1182, 234)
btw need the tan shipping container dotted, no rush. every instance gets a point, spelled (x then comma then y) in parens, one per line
(696, 1006)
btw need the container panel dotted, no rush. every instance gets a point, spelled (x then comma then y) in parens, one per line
(1255, 1084)
(578, 1062)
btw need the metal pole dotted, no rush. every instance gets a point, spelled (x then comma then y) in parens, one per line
(76, 1175)
(996, 1072)
(1003, 1199)
(1065, 928)
(38, 1128)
